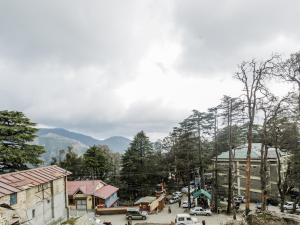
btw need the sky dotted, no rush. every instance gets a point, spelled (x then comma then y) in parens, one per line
(107, 68)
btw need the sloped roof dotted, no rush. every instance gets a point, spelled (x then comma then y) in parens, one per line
(147, 199)
(22, 180)
(87, 187)
(203, 192)
(241, 152)
(106, 191)
(91, 187)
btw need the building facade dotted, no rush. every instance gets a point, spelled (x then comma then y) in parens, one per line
(36, 196)
(87, 194)
(239, 171)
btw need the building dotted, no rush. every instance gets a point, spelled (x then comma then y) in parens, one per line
(87, 194)
(239, 166)
(151, 203)
(36, 196)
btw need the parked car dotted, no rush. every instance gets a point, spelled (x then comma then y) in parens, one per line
(185, 204)
(185, 189)
(289, 206)
(272, 201)
(185, 219)
(239, 198)
(200, 211)
(177, 193)
(135, 214)
(174, 199)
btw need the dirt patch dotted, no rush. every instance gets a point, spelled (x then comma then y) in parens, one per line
(270, 219)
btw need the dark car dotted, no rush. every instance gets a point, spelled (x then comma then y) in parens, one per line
(135, 214)
(272, 201)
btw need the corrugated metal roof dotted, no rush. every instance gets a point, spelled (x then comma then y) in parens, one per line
(147, 199)
(91, 187)
(241, 152)
(106, 191)
(21, 180)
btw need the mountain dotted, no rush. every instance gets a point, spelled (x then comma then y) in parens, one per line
(56, 139)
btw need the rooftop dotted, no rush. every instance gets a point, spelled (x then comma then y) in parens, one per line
(91, 187)
(147, 199)
(241, 152)
(22, 180)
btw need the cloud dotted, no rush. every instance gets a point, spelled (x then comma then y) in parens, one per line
(217, 35)
(117, 67)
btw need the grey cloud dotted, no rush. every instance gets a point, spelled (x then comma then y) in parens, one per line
(217, 35)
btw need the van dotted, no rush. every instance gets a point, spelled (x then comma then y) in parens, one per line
(185, 219)
(135, 214)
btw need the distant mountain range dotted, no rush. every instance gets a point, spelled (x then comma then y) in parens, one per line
(55, 139)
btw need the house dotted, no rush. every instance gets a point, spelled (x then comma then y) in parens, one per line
(87, 194)
(151, 203)
(239, 173)
(35, 196)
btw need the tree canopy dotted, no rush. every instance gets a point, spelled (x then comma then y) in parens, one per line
(17, 133)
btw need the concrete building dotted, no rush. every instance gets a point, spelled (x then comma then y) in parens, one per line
(36, 196)
(87, 194)
(239, 174)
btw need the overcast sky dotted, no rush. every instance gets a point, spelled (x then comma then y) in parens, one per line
(117, 67)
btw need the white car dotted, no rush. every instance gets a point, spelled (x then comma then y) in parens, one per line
(185, 189)
(289, 206)
(200, 211)
(185, 204)
(185, 219)
(177, 193)
(174, 199)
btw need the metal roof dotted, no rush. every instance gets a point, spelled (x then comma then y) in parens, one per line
(147, 199)
(91, 187)
(22, 180)
(241, 152)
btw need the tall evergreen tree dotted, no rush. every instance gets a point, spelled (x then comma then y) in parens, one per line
(139, 173)
(98, 162)
(17, 133)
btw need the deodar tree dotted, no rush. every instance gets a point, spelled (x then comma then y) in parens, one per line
(17, 133)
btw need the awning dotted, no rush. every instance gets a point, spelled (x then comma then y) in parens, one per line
(201, 193)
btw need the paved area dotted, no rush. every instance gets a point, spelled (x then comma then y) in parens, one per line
(165, 217)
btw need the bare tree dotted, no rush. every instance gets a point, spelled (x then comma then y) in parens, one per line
(231, 112)
(290, 71)
(271, 107)
(252, 75)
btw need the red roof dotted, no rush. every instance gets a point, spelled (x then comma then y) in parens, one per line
(22, 180)
(91, 187)
(106, 191)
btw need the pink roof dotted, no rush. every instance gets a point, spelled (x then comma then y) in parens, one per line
(106, 191)
(21, 180)
(88, 187)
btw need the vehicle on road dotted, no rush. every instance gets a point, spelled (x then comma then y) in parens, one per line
(200, 211)
(289, 206)
(177, 193)
(186, 190)
(185, 204)
(185, 219)
(174, 199)
(239, 198)
(135, 214)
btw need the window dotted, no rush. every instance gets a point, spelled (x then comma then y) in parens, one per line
(13, 199)
(188, 218)
(33, 213)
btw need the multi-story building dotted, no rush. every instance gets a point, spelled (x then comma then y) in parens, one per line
(35, 196)
(239, 171)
